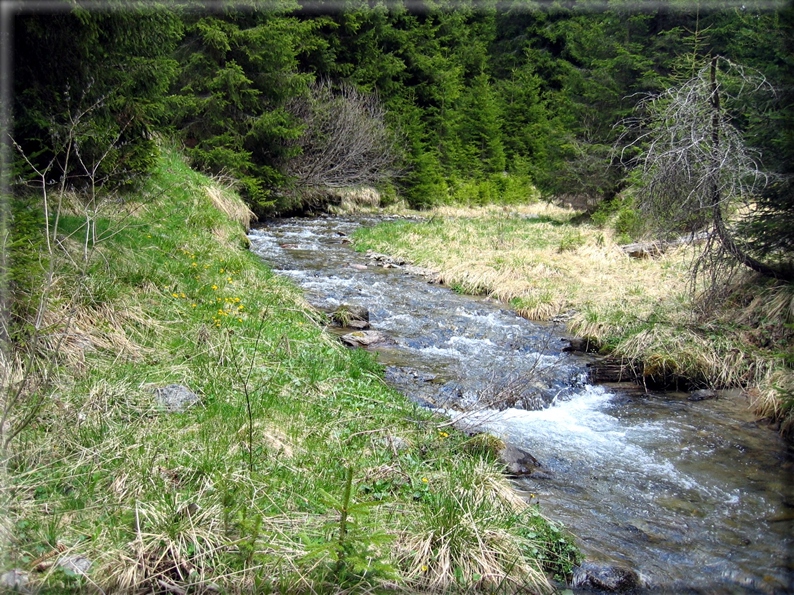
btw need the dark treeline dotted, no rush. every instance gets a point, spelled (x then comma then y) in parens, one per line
(458, 100)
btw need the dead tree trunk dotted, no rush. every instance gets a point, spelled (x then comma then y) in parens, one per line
(716, 196)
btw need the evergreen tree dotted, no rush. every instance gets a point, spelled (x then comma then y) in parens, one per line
(481, 128)
(89, 86)
(239, 69)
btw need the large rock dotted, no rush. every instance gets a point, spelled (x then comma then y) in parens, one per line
(176, 398)
(365, 338)
(518, 462)
(607, 577)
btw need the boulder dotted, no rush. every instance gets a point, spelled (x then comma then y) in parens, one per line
(518, 462)
(606, 577)
(176, 398)
(365, 338)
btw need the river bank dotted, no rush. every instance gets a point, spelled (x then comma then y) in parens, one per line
(547, 265)
(665, 493)
(187, 425)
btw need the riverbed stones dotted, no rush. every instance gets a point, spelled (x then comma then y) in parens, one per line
(175, 398)
(365, 338)
(606, 577)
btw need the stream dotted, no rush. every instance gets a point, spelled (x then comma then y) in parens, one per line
(695, 496)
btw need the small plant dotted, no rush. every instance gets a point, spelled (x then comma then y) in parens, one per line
(549, 543)
(354, 548)
(570, 241)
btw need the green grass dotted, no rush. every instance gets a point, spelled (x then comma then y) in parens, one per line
(299, 471)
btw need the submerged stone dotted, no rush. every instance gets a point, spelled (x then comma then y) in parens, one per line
(607, 577)
(702, 395)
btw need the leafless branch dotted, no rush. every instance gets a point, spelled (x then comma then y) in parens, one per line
(345, 141)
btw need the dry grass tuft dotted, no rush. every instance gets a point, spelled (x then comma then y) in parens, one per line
(354, 200)
(774, 399)
(157, 559)
(458, 544)
(75, 330)
(231, 205)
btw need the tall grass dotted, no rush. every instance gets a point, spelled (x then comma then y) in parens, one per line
(240, 492)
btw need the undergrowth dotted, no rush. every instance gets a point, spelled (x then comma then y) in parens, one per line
(298, 470)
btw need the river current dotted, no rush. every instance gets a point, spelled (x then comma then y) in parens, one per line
(695, 496)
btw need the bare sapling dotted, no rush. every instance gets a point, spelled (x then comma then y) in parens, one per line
(28, 366)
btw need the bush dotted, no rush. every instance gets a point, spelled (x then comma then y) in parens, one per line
(621, 215)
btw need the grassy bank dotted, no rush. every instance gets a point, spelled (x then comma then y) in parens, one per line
(542, 263)
(298, 470)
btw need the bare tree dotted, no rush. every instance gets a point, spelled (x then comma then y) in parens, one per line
(695, 172)
(345, 141)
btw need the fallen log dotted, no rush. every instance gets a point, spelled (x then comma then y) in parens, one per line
(614, 370)
(657, 248)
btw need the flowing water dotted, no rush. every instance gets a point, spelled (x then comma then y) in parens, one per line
(695, 496)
